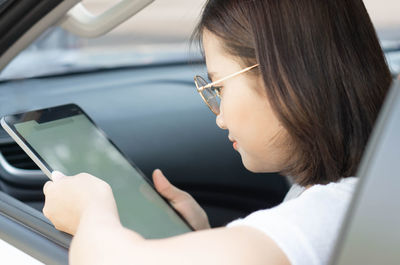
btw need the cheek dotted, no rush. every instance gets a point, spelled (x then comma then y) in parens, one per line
(261, 148)
(235, 110)
(248, 115)
(252, 123)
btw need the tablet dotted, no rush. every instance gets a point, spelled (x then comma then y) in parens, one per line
(64, 138)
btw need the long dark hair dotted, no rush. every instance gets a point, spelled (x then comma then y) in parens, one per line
(323, 69)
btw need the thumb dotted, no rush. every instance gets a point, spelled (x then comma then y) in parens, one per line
(163, 186)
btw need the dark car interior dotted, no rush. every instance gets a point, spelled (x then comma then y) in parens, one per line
(153, 114)
(151, 111)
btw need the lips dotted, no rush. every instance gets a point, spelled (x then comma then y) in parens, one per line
(234, 142)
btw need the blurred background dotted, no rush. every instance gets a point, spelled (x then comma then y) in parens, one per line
(159, 33)
(162, 22)
(150, 25)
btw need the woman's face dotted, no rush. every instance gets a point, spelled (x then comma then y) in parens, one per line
(245, 111)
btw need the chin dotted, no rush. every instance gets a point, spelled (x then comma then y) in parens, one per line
(257, 166)
(250, 165)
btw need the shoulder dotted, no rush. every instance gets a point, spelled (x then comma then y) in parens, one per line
(335, 193)
(312, 204)
(343, 186)
(306, 227)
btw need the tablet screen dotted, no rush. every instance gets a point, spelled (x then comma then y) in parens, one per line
(74, 145)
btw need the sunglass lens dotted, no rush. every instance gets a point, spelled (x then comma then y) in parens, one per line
(209, 95)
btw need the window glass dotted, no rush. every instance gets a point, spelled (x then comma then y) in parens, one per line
(157, 34)
(386, 18)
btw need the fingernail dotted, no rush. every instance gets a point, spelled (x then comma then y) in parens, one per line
(56, 175)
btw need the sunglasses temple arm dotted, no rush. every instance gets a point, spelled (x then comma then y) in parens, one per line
(229, 76)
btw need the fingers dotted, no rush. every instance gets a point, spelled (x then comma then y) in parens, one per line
(159, 179)
(169, 191)
(57, 175)
(47, 191)
(47, 186)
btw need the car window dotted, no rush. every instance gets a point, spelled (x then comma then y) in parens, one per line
(158, 34)
(386, 18)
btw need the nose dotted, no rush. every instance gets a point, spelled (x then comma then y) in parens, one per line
(220, 122)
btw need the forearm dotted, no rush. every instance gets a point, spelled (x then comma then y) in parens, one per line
(105, 241)
(233, 246)
(101, 239)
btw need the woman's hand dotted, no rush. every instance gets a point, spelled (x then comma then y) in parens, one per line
(182, 201)
(68, 199)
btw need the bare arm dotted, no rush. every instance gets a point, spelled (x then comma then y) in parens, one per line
(117, 245)
(84, 206)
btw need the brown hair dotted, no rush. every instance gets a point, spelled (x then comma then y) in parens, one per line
(323, 69)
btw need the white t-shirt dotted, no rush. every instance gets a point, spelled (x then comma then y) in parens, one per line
(305, 227)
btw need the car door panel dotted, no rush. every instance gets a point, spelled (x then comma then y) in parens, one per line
(29, 231)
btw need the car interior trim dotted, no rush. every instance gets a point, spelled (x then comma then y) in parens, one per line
(32, 219)
(26, 173)
(52, 18)
(32, 243)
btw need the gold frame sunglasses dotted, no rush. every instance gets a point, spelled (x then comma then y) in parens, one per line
(210, 92)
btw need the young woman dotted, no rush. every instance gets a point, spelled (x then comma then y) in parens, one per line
(300, 85)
